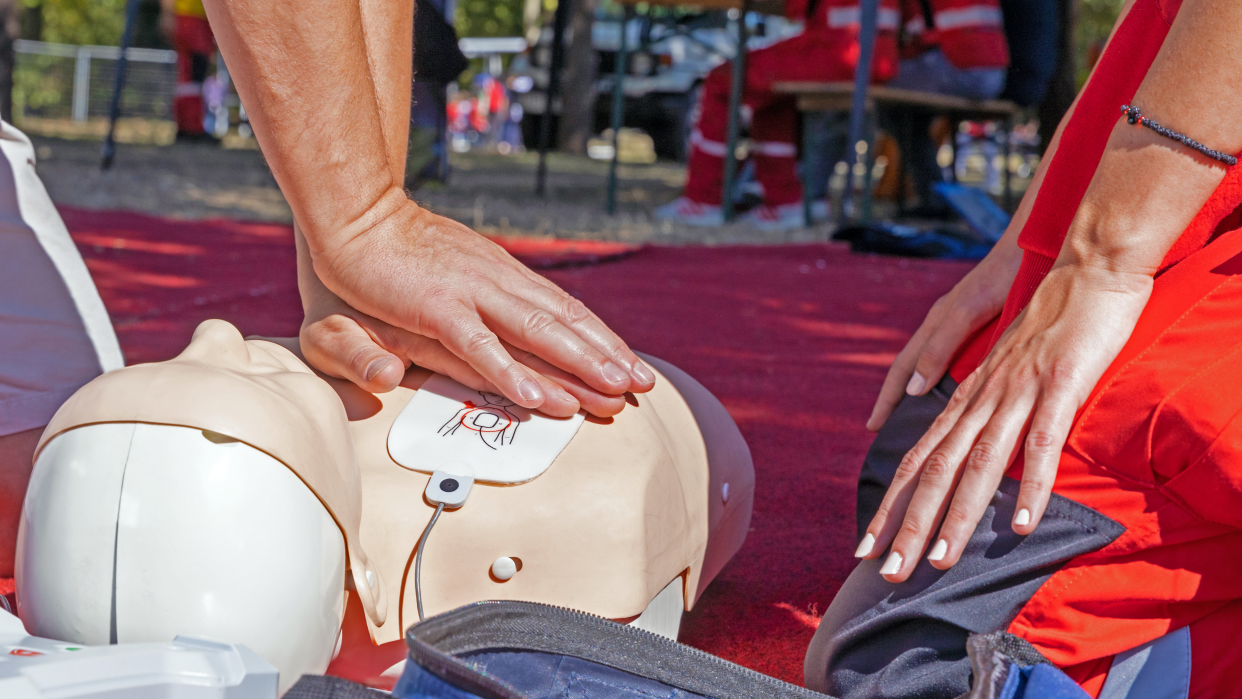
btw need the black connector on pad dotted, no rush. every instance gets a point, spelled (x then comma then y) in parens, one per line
(448, 489)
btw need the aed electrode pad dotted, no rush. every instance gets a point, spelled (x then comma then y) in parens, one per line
(451, 428)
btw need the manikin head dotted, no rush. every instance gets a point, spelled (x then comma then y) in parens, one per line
(214, 495)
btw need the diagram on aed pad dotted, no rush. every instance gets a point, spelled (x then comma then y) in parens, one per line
(491, 420)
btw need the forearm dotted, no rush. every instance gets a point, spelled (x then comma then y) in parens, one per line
(301, 67)
(1148, 188)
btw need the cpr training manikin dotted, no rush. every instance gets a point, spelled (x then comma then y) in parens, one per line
(233, 494)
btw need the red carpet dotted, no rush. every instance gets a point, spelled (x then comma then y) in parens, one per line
(794, 340)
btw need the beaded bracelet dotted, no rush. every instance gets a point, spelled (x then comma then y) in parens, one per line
(1134, 116)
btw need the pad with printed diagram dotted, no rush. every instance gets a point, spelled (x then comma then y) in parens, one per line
(449, 427)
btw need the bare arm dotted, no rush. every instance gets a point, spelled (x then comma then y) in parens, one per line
(1144, 193)
(317, 103)
(972, 303)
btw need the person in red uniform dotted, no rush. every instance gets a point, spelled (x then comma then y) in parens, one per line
(950, 47)
(827, 50)
(185, 23)
(1073, 483)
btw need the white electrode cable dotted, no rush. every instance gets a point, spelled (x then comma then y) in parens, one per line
(418, 560)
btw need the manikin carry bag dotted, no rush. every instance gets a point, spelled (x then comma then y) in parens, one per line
(506, 650)
(511, 650)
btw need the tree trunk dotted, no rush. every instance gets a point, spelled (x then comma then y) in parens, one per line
(578, 87)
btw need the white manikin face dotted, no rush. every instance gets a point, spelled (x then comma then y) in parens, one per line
(135, 532)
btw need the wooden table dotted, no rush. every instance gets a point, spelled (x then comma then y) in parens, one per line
(835, 96)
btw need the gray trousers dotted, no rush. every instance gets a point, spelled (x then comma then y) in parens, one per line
(880, 639)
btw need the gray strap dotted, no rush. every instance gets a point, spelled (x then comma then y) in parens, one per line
(1159, 669)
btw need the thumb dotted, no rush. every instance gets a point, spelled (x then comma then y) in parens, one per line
(937, 353)
(338, 346)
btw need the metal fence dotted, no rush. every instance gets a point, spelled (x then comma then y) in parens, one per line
(61, 81)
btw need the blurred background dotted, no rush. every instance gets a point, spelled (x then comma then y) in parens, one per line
(472, 146)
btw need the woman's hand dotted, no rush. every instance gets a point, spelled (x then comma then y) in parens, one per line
(1024, 396)
(971, 304)
(436, 279)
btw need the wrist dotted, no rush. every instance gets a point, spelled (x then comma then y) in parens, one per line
(327, 240)
(1071, 278)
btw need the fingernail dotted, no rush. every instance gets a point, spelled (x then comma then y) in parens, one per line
(865, 546)
(938, 551)
(892, 565)
(1023, 518)
(916, 385)
(614, 374)
(376, 366)
(530, 390)
(871, 420)
(643, 373)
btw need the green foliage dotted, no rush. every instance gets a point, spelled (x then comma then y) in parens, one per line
(489, 18)
(79, 21)
(41, 85)
(1095, 21)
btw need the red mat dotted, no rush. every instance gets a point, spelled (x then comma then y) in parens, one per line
(794, 340)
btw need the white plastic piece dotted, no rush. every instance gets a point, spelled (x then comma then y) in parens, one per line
(211, 538)
(449, 488)
(185, 668)
(724, 493)
(663, 615)
(493, 439)
(504, 568)
(68, 534)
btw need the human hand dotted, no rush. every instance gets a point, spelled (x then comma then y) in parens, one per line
(434, 278)
(344, 343)
(1024, 396)
(972, 303)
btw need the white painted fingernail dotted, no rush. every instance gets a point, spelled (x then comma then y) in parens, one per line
(938, 551)
(1023, 518)
(917, 382)
(865, 546)
(892, 565)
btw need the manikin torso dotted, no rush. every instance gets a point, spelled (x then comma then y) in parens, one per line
(659, 494)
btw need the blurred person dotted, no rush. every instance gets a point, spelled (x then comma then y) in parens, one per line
(826, 51)
(385, 282)
(55, 334)
(511, 130)
(438, 61)
(185, 24)
(949, 47)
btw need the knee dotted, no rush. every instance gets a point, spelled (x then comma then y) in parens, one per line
(869, 644)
